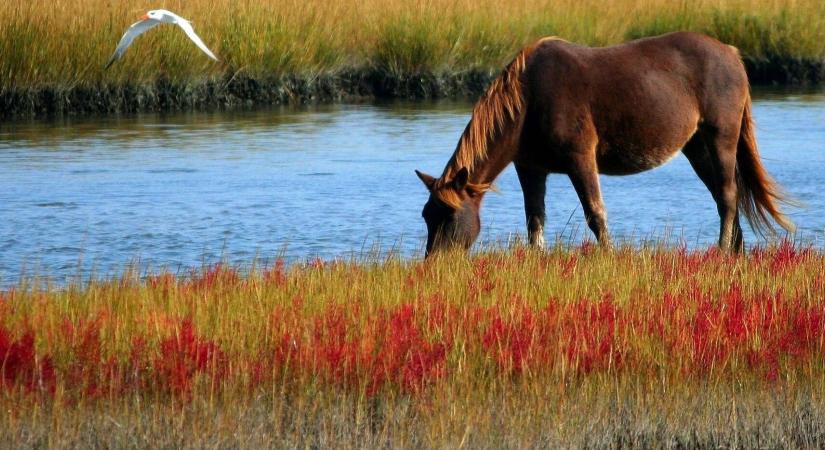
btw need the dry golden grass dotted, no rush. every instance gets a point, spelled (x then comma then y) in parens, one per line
(65, 44)
(610, 415)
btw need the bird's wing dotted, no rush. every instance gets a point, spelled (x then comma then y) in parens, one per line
(187, 28)
(134, 31)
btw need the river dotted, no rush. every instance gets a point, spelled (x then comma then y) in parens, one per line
(90, 196)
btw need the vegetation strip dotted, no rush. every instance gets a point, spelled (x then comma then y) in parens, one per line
(306, 51)
(386, 350)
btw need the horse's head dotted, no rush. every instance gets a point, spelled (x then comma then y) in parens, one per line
(451, 212)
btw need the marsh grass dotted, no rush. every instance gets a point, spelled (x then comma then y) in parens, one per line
(625, 415)
(65, 44)
(576, 347)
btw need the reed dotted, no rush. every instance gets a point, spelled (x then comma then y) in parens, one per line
(64, 45)
(576, 347)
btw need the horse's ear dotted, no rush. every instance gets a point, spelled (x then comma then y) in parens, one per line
(461, 178)
(428, 180)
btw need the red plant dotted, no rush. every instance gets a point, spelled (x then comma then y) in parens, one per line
(568, 265)
(406, 358)
(510, 342)
(217, 274)
(20, 366)
(164, 281)
(676, 326)
(184, 355)
(85, 370)
(480, 282)
(590, 336)
(277, 273)
(787, 256)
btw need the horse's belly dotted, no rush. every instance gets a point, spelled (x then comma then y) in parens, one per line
(629, 161)
(625, 153)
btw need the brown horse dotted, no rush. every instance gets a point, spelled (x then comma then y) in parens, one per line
(565, 108)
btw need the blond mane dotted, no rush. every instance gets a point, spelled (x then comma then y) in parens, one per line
(502, 102)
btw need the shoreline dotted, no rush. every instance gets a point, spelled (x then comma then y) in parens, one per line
(239, 92)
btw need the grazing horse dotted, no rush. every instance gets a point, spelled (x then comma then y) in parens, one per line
(565, 108)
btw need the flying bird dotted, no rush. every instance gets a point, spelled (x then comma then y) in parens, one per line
(149, 21)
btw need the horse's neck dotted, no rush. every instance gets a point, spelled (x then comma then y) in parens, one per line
(501, 150)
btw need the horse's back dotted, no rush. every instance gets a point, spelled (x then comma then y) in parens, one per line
(638, 102)
(693, 61)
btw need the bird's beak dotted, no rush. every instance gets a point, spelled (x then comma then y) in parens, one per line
(145, 17)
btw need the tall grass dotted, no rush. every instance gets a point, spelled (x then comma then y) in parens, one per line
(63, 45)
(573, 347)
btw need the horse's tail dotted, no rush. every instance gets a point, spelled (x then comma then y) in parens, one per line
(759, 195)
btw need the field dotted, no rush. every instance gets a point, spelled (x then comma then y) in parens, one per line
(290, 50)
(580, 347)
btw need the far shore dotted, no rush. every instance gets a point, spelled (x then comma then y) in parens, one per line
(353, 85)
(311, 51)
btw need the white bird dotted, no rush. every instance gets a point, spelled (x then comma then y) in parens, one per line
(149, 21)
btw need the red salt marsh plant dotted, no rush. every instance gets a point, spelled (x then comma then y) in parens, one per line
(21, 368)
(562, 314)
(501, 321)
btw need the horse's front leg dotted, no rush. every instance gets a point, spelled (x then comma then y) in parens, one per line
(533, 185)
(584, 175)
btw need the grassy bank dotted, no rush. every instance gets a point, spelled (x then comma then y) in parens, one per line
(574, 347)
(289, 50)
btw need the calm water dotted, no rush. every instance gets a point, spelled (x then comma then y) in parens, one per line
(93, 195)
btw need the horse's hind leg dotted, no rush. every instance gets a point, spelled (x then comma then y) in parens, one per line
(533, 185)
(721, 142)
(585, 177)
(699, 157)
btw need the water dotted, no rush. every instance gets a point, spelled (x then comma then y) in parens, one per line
(178, 191)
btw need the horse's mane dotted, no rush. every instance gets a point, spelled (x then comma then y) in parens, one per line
(503, 101)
